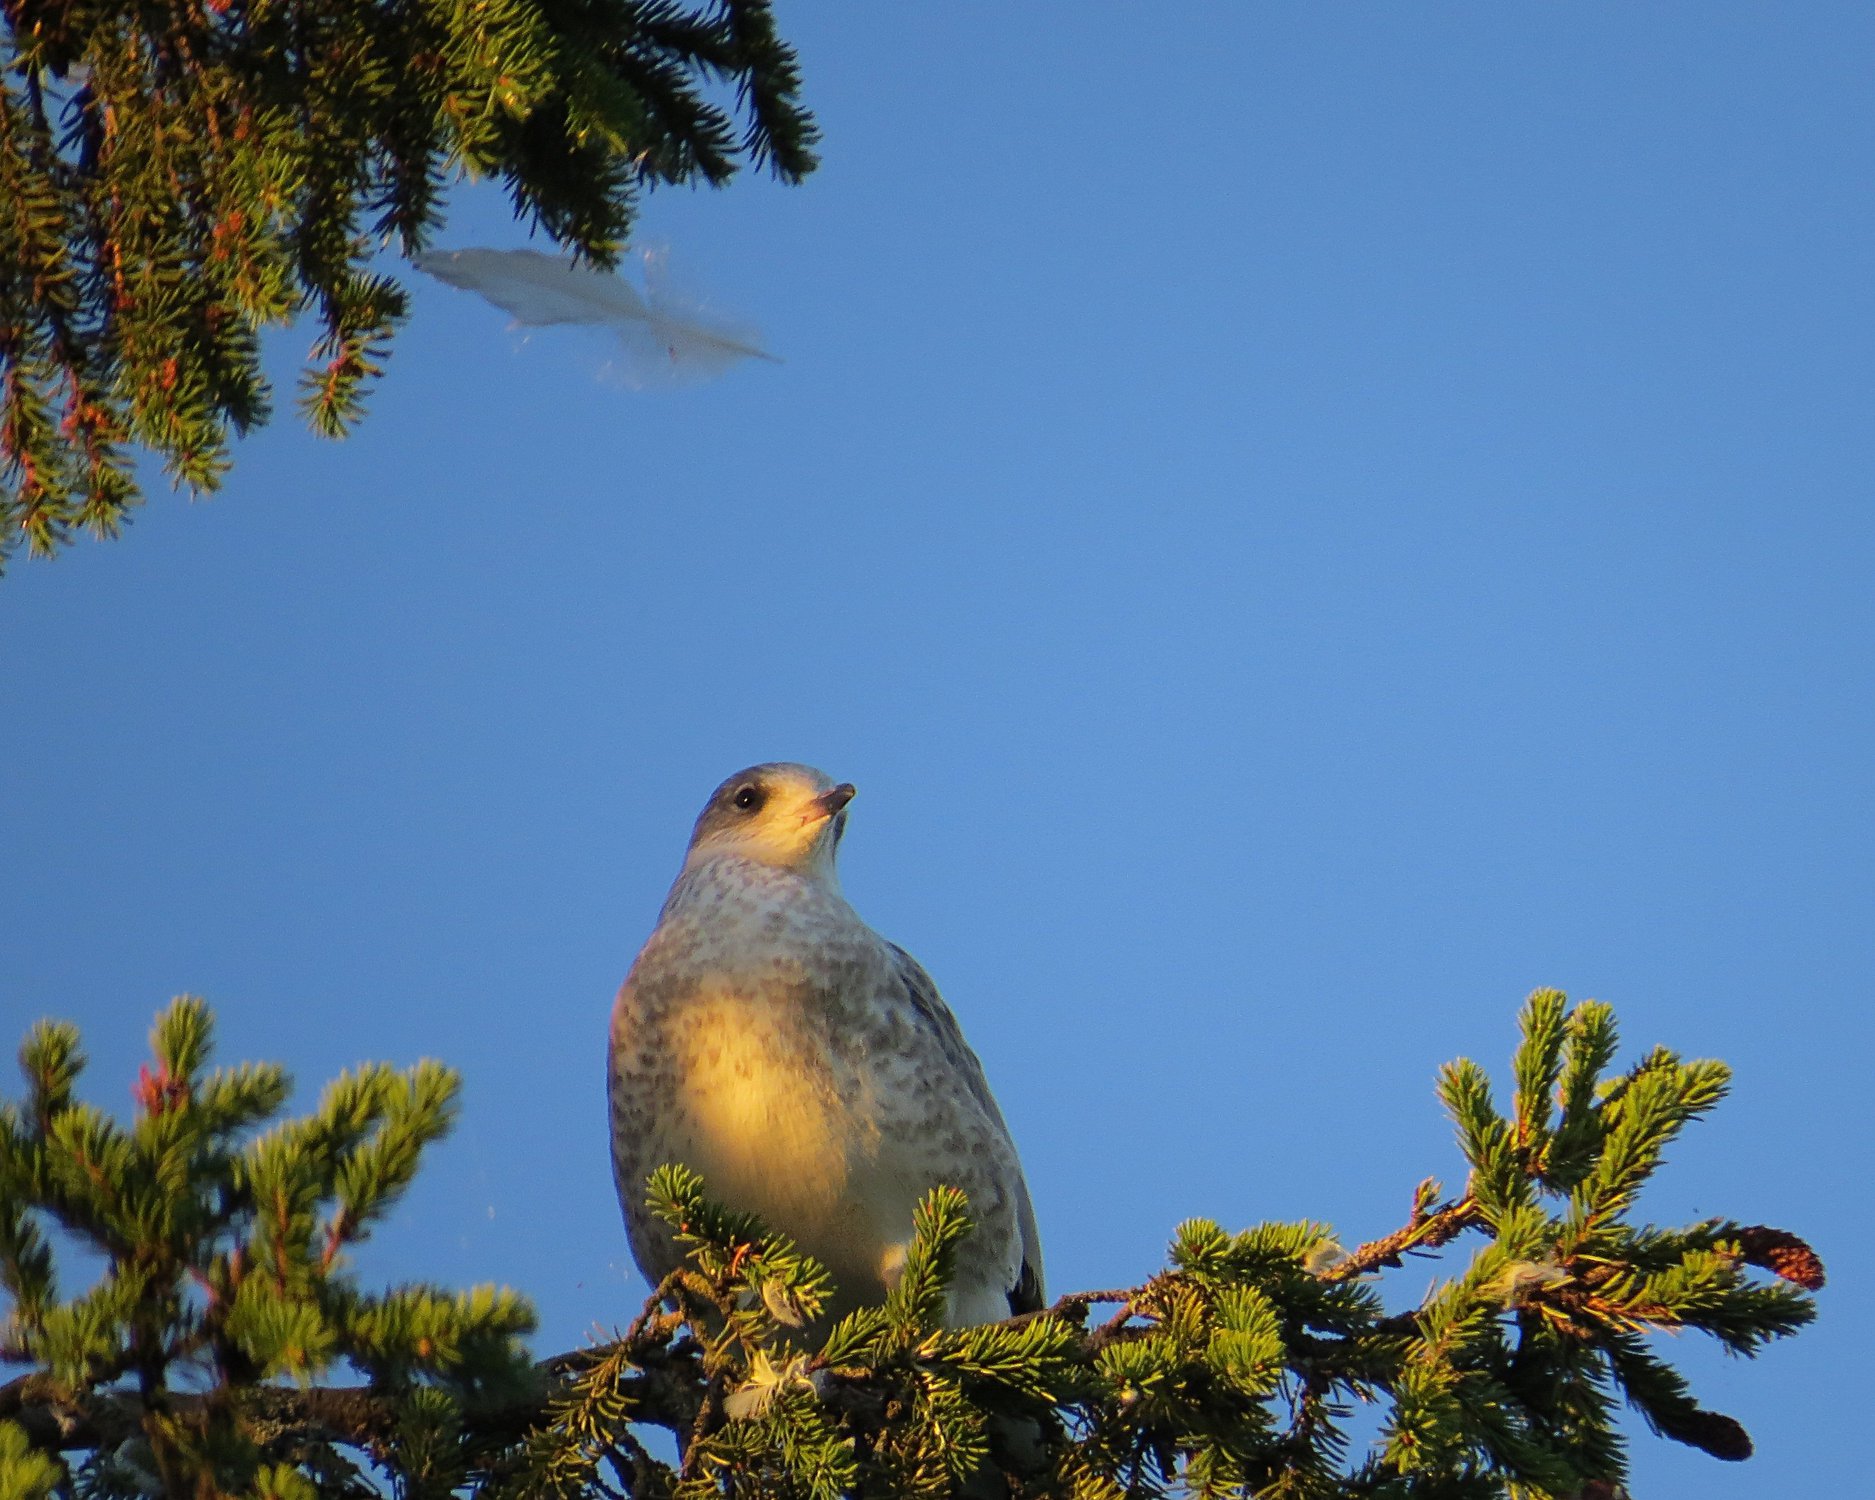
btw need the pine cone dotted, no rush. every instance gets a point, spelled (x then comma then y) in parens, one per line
(1712, 1432)
(1781, 1252)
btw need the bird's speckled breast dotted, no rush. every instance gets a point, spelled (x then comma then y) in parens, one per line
(730, 1053)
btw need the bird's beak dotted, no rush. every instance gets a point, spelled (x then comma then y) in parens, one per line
(833, 802)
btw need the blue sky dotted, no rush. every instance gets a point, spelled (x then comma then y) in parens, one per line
(1304, 522)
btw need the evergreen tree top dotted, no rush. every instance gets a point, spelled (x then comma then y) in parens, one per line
(177, 175)
(194, 1366)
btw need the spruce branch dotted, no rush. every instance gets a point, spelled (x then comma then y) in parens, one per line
(178, 175)
(1228, 1371)
(1427, 1228)
(214, 1278)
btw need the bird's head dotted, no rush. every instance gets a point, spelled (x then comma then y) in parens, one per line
(780, 814)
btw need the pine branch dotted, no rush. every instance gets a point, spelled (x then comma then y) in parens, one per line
(1228, 1371)
(225, 165)
(1426, 1229)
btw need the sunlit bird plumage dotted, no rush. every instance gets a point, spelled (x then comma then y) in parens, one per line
(769, 1039)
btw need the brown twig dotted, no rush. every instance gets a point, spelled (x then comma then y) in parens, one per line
(1083, 1300)
(1072, 1308)
(662, 1393)
(662, 1389)
(1427, 1229)
(708, 1418)
(1111, 1329)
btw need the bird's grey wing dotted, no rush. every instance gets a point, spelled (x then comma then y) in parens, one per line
(1028, 1294)
(638, 1082)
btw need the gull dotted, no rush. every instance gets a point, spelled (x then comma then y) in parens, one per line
(770, 1040)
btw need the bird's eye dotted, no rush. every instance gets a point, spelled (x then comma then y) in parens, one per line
(748, 798)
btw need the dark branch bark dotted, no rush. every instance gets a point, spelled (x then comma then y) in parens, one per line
(1424, 1231)
(663, 1392)
(667, 1388)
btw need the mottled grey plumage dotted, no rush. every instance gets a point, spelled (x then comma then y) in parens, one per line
(769, 1039)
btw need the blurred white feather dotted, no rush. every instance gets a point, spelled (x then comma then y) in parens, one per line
(663, 338)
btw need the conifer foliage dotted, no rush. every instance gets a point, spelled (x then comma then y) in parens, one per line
(1233, 1371)
(177, 175)
(224, 1268)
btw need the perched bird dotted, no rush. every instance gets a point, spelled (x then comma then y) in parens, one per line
(769, 1039)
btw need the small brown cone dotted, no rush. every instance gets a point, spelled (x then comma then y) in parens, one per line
(1713, 1432)
(1782, 1253)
